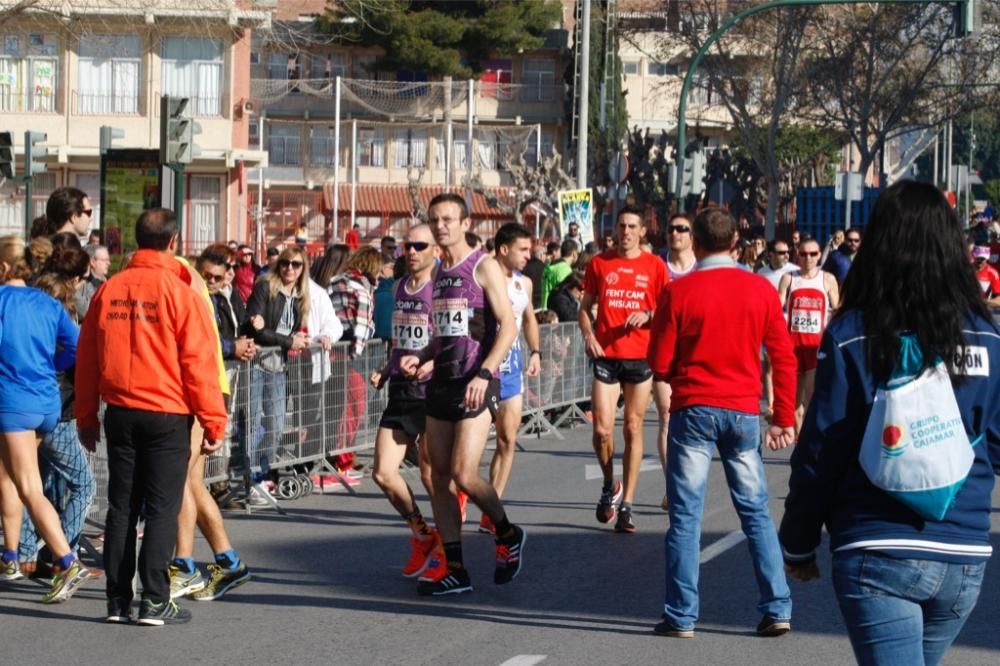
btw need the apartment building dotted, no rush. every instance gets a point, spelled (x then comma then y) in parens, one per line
(394, 127)
(68, 69)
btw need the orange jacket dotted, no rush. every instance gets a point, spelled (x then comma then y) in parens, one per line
(148, 343)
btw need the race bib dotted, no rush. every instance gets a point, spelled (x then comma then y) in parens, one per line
(451, 317)
(806, 321)
(409, 331)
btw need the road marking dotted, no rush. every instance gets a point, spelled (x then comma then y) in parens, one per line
(722, 545)
(525, 660)
(594, 471)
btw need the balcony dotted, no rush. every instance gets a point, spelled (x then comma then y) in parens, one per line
(540, 102)
(15, 101)
(86, 103)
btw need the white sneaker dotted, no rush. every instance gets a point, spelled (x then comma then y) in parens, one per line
(259, 496)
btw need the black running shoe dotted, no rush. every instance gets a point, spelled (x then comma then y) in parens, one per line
(772, 626)
(119, 612)
(167, 612)
(455, 581)
(606, 505)
(664, 628)
(625, 525)
(510, 555)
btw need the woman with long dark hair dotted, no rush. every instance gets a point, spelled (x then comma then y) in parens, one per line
(905, 583)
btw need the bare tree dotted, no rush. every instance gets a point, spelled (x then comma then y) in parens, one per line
(878, 71)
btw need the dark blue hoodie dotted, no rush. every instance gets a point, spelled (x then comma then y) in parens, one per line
(828, 486)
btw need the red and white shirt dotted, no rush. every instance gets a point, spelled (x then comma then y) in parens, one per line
(808, 309)
(621, 287)
(989, 281)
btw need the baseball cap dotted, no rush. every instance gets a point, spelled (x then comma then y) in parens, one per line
(981, 252)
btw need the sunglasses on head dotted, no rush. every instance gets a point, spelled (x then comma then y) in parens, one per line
(679, 228)
(419, 246)
(285, 263)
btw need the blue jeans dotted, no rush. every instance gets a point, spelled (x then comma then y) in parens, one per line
(694, 433)
(68, 483)
(903, 611)
(268, 402)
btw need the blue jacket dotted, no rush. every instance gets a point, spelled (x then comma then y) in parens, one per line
(838, 264)
(828, 487)
(37, 338)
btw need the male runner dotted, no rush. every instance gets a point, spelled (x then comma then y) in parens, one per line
(473, 329)
(808, 299)
(624, 283)
(680, 262)
(403, 419)
(513, 248)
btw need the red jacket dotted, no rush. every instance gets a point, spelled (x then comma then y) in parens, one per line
(149, 343)
(707, 334)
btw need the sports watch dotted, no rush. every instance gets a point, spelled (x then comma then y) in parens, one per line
(484, 374)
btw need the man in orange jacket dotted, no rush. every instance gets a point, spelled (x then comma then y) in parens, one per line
(143, 350)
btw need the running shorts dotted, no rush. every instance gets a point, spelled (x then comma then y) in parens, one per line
(621, 371)
(446, 400)
(42, 424)
(807, 358)
(512, 375)
(405, 410)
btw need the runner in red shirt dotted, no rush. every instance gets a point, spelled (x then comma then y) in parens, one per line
(987, 276)
(624, 283)
(808, 298)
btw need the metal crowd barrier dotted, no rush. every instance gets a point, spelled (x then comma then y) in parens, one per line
(296, 412)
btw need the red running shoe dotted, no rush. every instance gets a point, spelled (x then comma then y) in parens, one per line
(486, 525)
(463, 503)
(421, 553)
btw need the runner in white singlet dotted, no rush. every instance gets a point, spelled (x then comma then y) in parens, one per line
(513, 249)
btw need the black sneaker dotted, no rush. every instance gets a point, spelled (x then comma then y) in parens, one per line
(772, 626)
(664, 628)
(119, 612)
(167, 612)
(625, 525)
(606, 505)
(510, 555)
(455, 581)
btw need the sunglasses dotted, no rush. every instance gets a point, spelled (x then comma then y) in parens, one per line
(852, 240)
(209, 277)
(809, 254)
(285, 263)
(231, 267)
(678, 229)
(780, 252)
(418, 246)
(89, 212)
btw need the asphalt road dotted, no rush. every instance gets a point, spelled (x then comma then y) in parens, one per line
(327, 589)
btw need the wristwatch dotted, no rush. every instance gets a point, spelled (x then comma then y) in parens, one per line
(485, 374)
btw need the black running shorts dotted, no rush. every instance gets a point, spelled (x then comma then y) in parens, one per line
(446, 400)
(621, 371)
(406, 408)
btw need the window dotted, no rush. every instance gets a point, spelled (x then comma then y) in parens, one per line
(328, 66)
(206, 213)
(322, 146)
(29, 72)
(192, 67)
(255, 57)
(459, 150)
(533, 148)
(284, 144)
(371, 147)
(364, 66)
(657, 69)
(630, 68)
(540, 75)
(109, 74)
(253, 134)
(701, 91)
(486, 149)
(496, 79)
(284, 67)
(410, 148)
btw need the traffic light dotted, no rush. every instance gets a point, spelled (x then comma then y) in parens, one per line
(177, 131)
(8, 168)
(108, 136)
(696, 184)
(968, 17)
(33, 153)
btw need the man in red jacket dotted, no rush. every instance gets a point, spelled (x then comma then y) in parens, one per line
(144, 350)
(709, 330)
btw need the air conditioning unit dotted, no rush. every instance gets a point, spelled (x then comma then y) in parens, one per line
(247, 107)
